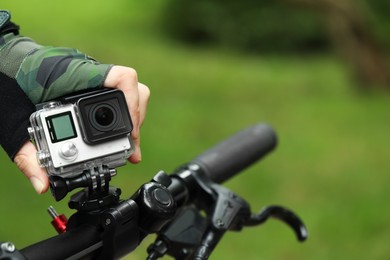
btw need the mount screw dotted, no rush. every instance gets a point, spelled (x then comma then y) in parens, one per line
(8, 247)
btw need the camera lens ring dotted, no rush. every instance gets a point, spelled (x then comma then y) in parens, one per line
(103, 117)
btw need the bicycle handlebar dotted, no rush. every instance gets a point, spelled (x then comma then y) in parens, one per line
(218, 163)
(66, 245)
(229, 157)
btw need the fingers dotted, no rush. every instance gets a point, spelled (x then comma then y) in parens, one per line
(137, 97)
(27, 162)
(144, 94)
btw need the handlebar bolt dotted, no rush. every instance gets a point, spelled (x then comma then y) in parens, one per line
(108, 222)
(219, 223)
(193, 167)
(8, 247)
(184, 253)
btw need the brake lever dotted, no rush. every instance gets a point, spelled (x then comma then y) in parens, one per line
(224, 211)
(193, 235)
(283, 214)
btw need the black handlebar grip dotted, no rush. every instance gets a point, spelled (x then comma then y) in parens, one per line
(239, 151)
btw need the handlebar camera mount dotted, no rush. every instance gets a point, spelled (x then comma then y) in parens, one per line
(97, 192)
(189, 212)
(99, 205)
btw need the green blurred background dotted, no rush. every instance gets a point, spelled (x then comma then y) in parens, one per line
(215, 67)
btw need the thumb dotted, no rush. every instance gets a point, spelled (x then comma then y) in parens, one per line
(27, 162)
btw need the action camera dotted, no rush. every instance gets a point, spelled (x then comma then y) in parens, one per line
(82, 131)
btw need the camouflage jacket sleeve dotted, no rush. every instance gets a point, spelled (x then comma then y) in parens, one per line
(44, 72)
(31, 74)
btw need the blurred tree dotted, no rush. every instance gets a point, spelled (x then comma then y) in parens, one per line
(250, 25)
(287, 26)
(377, 14)
(350, 32)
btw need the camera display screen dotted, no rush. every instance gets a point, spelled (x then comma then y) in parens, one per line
(61, 127)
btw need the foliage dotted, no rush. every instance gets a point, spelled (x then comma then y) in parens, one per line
(377, 12)
(331, 164)
(265, 26)
(262, 26)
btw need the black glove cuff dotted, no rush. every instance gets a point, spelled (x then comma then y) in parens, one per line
(15, 111)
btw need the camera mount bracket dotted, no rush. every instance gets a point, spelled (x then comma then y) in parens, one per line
(83, 200)
(96, 194)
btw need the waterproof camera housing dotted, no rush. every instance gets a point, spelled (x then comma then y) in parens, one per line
(83, 131)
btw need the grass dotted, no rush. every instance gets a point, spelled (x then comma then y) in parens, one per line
(331, 164)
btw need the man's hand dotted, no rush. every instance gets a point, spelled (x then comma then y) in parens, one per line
(137, 97)
(26, 160)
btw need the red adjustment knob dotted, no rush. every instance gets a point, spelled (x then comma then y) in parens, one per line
(59, 221)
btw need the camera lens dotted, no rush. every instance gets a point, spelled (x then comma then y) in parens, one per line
(104, 116)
